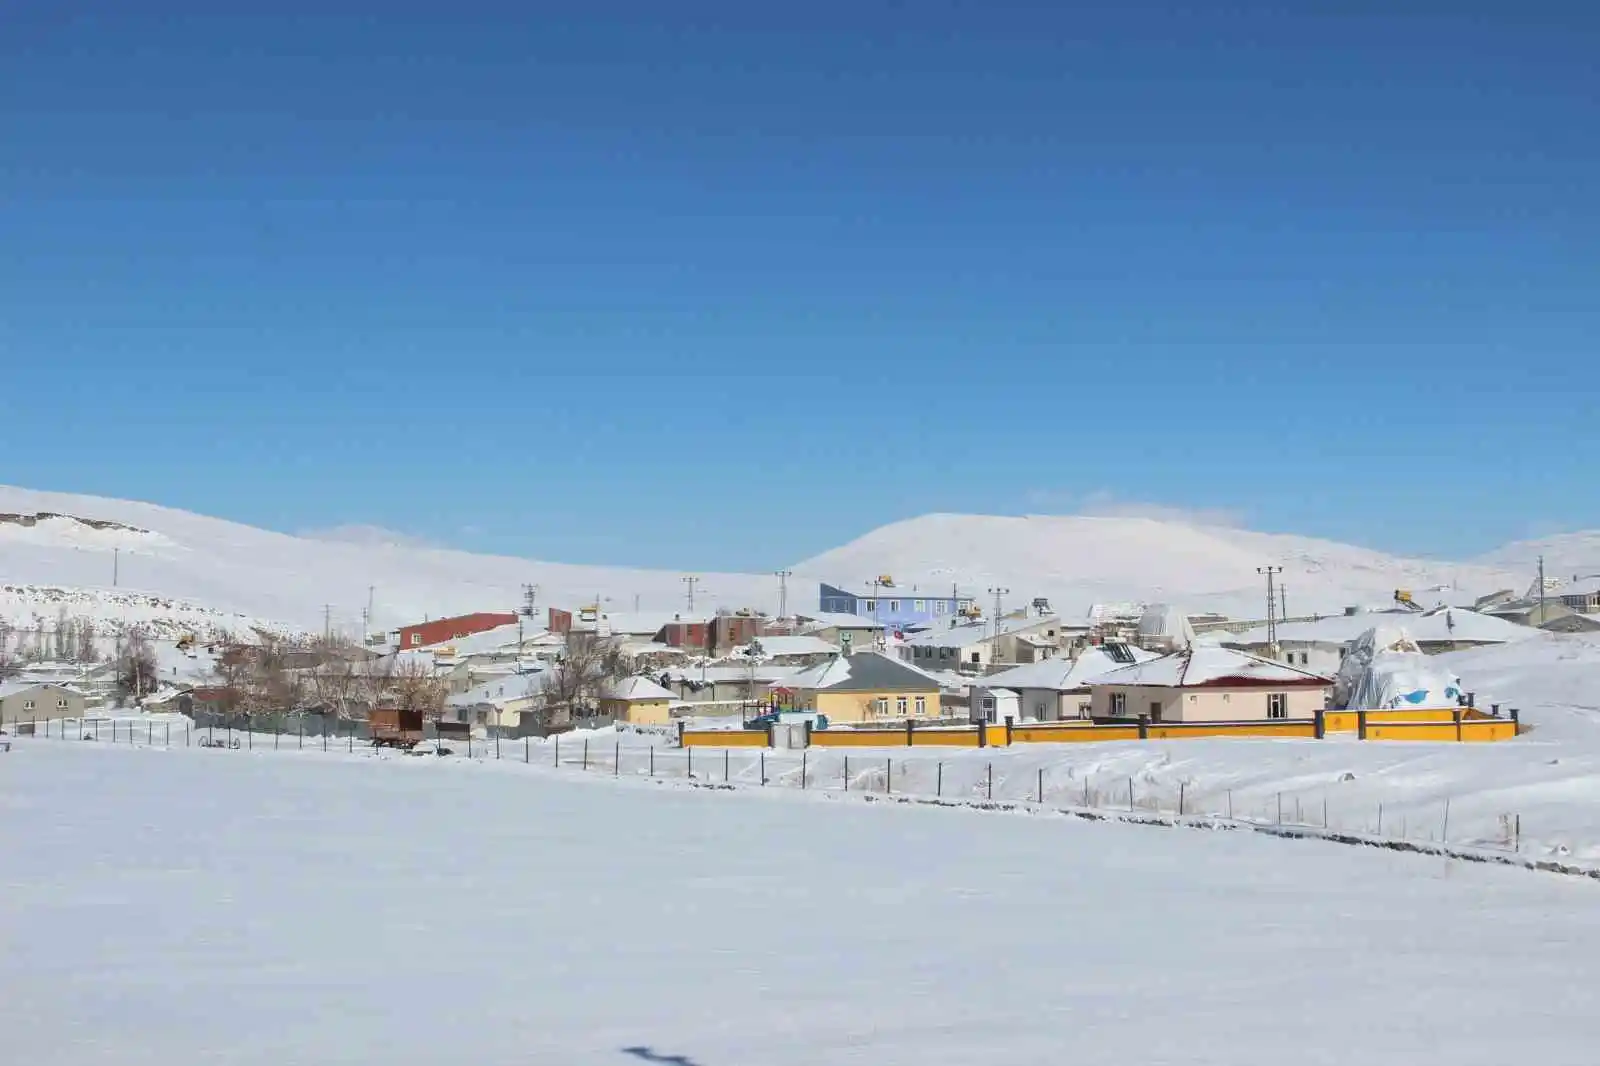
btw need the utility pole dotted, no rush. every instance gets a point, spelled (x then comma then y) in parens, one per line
(1272, 573)
(783, 592)
(327, 623)
(116, 566)
(998, 592)
(691, 581)
(1283, 603)
(1541, 590)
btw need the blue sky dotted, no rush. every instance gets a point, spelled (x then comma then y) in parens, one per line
(755, 279)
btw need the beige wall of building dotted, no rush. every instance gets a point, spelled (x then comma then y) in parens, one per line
(1207, 704)
(41, 703)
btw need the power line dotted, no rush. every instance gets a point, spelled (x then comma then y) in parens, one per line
(691, 581)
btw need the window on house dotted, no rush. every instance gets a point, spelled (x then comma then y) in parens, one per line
(869, 606)
(900, 706)
(922, 706)
(1119, 704)
(61, 704)
(880, 707)
(1278, 705)
(977, 657)
(1085, 710)
(921, 605)
(938, 606)
(894, 605)
(416, 638)
(27, 705)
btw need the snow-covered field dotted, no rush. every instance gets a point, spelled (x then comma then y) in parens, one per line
(177, 907)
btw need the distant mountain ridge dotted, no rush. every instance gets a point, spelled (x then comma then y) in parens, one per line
(124, 559)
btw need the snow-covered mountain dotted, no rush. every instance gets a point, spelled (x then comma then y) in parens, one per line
(1565, 554)
(1078, 560)
(121, 560)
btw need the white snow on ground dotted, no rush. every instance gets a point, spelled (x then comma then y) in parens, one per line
(187, 906)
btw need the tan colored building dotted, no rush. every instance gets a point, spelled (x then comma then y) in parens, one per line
(637, 700)
(1209, 684)
(30, 701)
(866, 687)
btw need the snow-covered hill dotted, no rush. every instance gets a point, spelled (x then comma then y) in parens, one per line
(1079, 560)
(121, 560)
(1564, 555)
(226, 575)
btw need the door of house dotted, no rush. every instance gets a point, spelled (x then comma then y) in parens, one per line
(1155, 711)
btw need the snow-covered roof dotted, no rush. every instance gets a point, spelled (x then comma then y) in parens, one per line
(1208, 666)
(1065, 675)
(864, 672)
(640, 623)
(966, 634)
(830, 620)
(800, 645)
(762, 672)
(1588, 586)
(13, 688)
(635, 690)
(1441, 624)
(501, 690)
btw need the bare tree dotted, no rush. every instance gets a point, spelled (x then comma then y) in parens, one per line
(335, 685)
(576, 680)
(88, 651)
(137, 668)
(415, 688)
(7, 664)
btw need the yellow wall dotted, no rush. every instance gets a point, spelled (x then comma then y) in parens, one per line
(1411, 731)
(858, 738)
(638, 712)
(1071, 732)
(858, 706)
(725, 738)
(1493, 729)
(1170, 731)
(1413, 714)
(1341, 722)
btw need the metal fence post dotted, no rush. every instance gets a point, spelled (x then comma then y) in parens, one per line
(652, 760)
(989, 783)
(1131, 804)
(725, 763)
(616, 761)
(938, 786)
(586, 754)
(527, 749)
(1041, 784)
(888, 777)
(558, 750)
(1183, 787)
(763, 769)
(803, 755)
(847, 773)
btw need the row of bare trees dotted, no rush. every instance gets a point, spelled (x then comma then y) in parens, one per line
(274, 674)
(71, 639)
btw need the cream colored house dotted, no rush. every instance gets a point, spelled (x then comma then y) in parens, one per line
(498, 704)
(637, 700)
(866, 687)
(1054, 690)
(28, 701)
(1209, 684)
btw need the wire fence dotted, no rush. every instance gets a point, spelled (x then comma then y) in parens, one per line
(966, 779)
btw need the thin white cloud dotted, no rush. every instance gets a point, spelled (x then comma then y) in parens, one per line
(369, 536)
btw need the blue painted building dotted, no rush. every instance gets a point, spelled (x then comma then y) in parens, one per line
(894, 606)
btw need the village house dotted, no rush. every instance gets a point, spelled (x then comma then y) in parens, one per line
(33, 701)
(846, 632)
(803, 650)
(866, 687)
(723, 689)
(636, 700)
(499, 705)
(893, 606)
(1321, 646)
(1209, 684)
(438, 631)
(974, 647)
(1058, 689)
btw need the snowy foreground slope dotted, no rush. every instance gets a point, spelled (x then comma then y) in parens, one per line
(209, 573)
(180, 907)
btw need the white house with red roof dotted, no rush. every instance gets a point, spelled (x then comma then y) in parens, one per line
(1209, 684)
